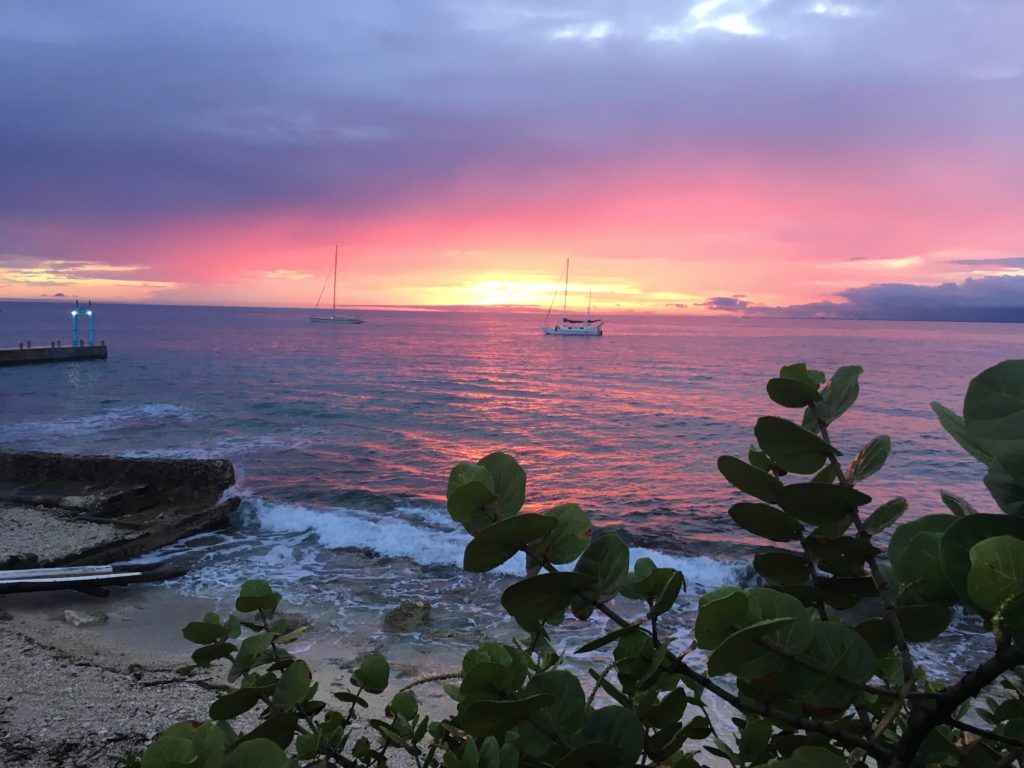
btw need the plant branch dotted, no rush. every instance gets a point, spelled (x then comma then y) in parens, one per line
(986, 734)
(926, 716)
(881, 584)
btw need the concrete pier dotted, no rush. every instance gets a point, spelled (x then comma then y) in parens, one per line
(53, 354)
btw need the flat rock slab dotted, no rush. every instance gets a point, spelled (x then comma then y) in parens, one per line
(58, 509)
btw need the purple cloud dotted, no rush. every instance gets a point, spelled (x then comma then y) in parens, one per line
(998, 299)
(726, 303)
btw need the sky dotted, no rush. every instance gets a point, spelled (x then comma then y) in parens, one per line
(850, 159)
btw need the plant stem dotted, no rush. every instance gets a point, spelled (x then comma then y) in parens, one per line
(876, 575)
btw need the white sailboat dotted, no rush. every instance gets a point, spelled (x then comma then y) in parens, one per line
(334, 317)
(568, 326)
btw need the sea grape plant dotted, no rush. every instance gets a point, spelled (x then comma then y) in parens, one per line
(817, 665)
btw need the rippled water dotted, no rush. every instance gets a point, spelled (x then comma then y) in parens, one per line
(343, 436)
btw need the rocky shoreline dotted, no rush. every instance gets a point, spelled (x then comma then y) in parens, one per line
(59, 510)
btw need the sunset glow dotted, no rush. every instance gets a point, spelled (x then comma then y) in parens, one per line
(727, 156)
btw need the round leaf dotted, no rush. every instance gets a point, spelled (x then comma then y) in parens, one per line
(790, 446)
(493, 545)
(748, 479)
(509, 482)
(766, 521)
(372, 674)
(994, 414)
(790, 393)
(540, 597)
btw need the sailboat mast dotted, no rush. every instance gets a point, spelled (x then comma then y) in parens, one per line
(334, 291)
(589, 297)
(565, 294)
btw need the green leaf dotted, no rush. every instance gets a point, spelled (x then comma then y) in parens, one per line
(800, 372)
(541, 597)
(563, 717)
(589, 756)
(719, 612)
(885, 515)
(307, 745)
(750, 661)
(669, 592)
(838, 395)
(567, 541)
(499, 541)
(790, 446)
(606, 560)
(748, 479)
(256, 595)
(811, 757)
(618, 728)
(997, 572)
(203, 632)
(404, 703)
(766, 521)
(870, 459)
(471, 505)
(790, 393)
(234, 704)
(818, 504)
(842, 654)
(509, 482)
(994, 415)
(953, 423)
(279, 729)
(923, 623)
(256, 753)
(293, 686)
(1007, 492)
(958, 539)
(209, 653)
(739, 646)
(372, 674)
(782, 566)
(169, 751)
(958, 505)
(493, 718)
(916, 560)
(466, 472)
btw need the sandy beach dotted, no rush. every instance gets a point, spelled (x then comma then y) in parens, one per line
(90, 695)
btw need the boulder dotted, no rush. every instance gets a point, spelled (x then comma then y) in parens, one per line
(292, 620)
(85, 618)
(409, 615)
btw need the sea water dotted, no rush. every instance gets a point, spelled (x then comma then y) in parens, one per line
(342, 436)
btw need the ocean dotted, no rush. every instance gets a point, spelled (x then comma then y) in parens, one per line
(342, 437)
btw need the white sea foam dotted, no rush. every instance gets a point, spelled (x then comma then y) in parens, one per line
(437, 542)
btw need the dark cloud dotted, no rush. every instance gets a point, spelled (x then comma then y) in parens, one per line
(726, 303)
(986, 299)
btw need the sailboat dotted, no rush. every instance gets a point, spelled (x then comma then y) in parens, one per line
(568, 326)
(334, 317)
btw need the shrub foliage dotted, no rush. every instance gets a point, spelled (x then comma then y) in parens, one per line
(815, 667)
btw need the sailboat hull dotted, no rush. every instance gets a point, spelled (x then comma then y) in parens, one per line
(573, 330)
(349, 320)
